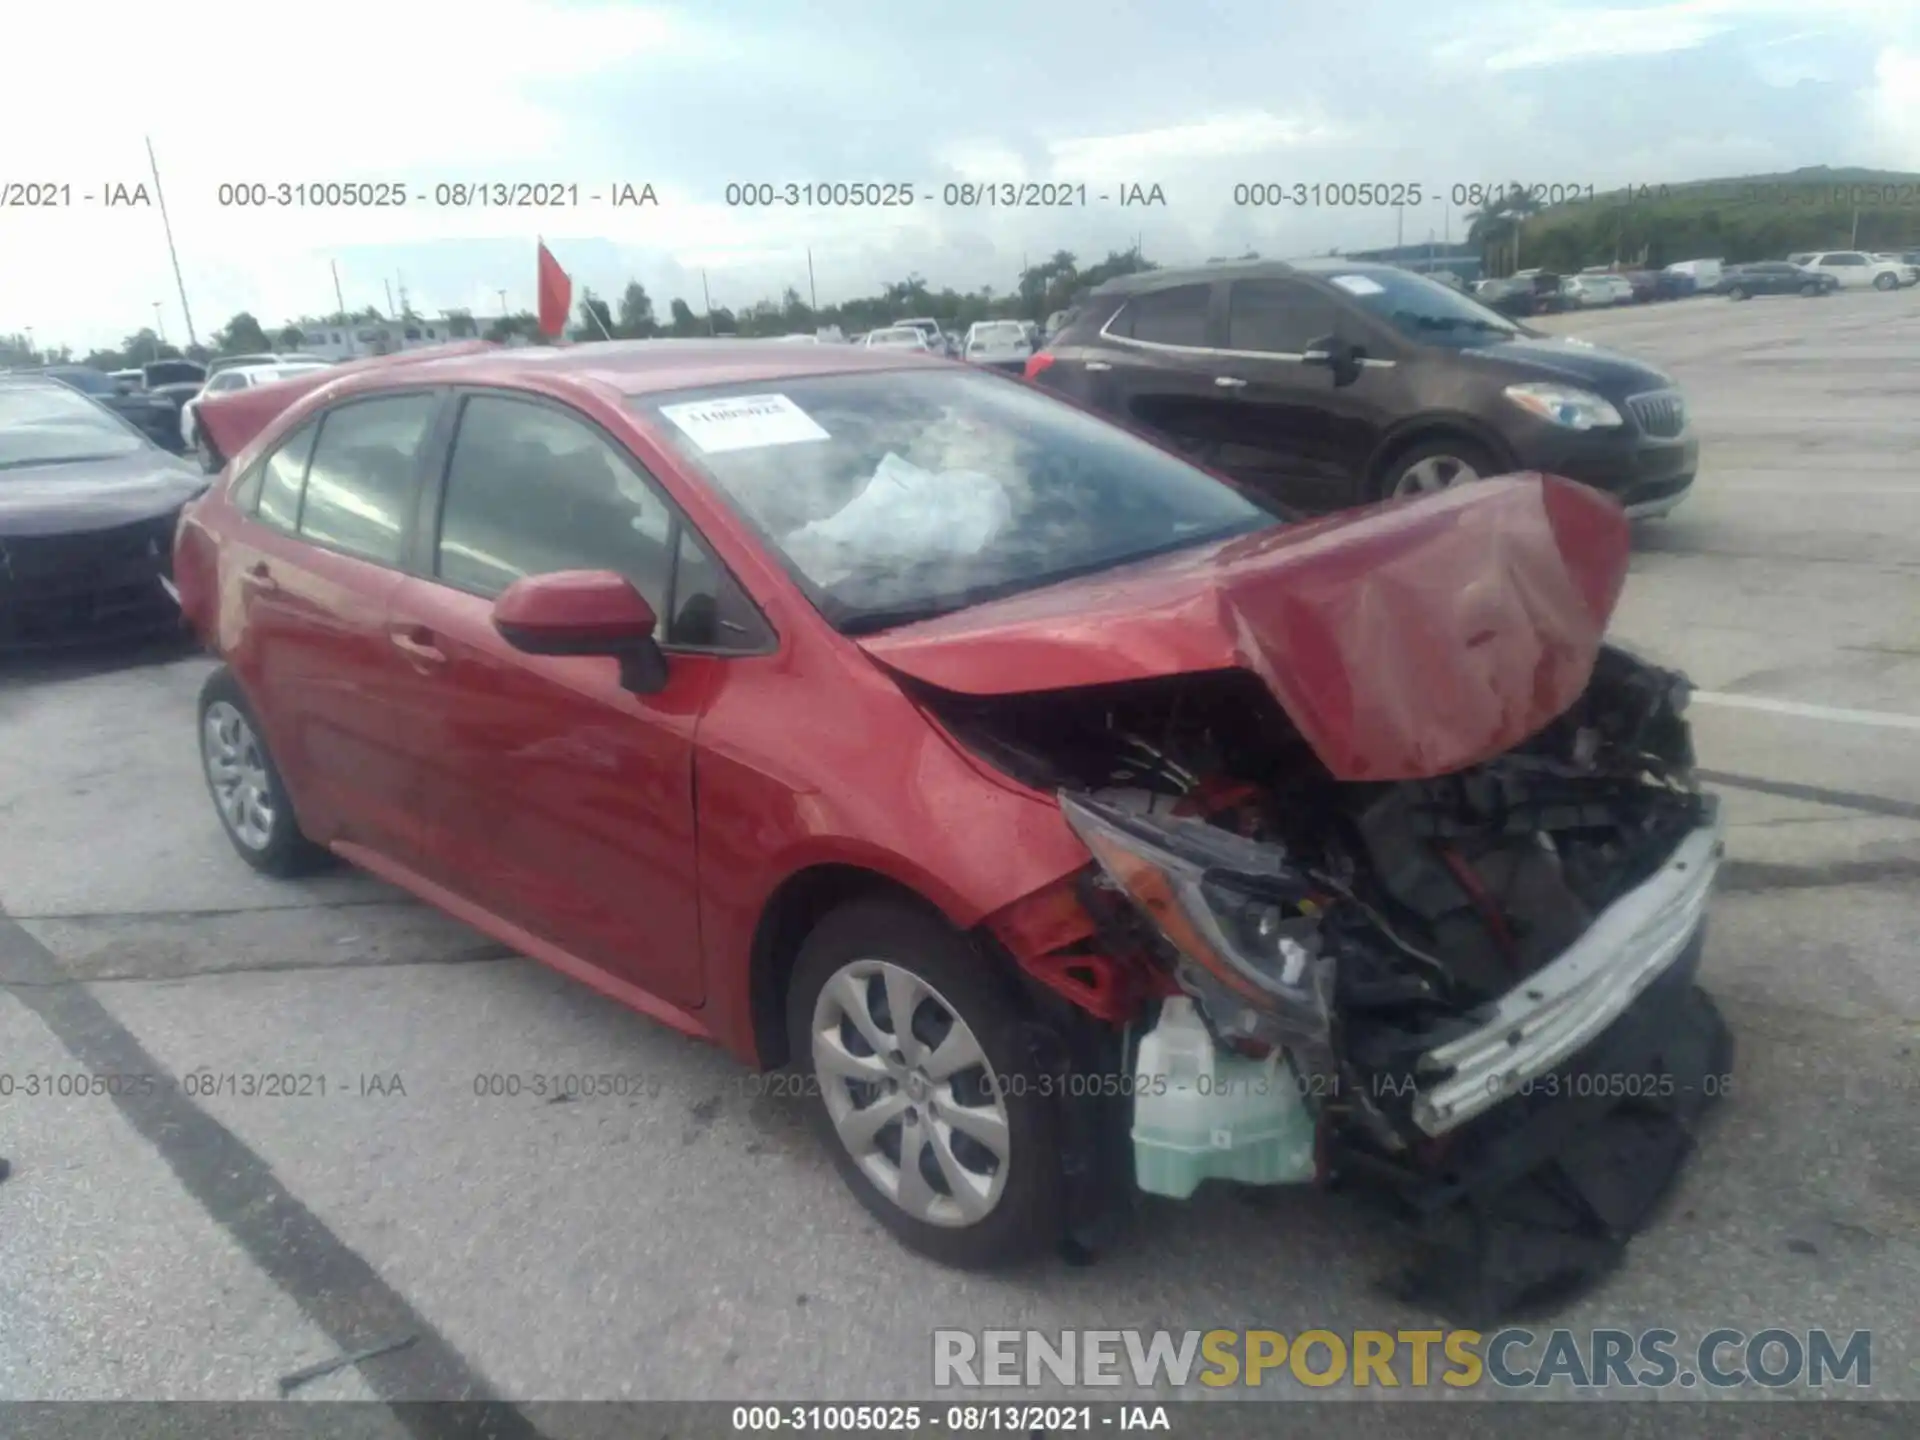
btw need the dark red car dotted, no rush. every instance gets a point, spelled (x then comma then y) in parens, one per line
(1068, 820)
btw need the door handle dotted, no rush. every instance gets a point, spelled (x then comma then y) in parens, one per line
(1229, 382)
(258, 577)
(1098, 365)
(416, 643)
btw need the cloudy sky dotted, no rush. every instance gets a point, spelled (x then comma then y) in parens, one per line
(1194, 96)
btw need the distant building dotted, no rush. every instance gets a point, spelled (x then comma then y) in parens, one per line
(333, 341)
(1463, 261)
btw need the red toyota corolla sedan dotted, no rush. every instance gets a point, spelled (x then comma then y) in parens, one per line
(1073, 825)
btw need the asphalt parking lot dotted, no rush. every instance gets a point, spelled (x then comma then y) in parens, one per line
(691, 1241)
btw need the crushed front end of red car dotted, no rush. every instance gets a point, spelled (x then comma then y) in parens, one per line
(1400, 873)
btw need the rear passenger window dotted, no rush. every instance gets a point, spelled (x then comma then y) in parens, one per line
(1168, 317)
(360, 483)
(274, 488)
(530, 492)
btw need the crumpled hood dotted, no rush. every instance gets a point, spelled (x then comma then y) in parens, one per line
(94, 494)
(1404, 640)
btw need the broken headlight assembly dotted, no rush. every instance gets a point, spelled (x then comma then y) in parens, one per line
(1244, 922)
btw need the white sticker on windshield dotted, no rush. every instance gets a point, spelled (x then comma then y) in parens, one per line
(744, 422)
(1358, 285)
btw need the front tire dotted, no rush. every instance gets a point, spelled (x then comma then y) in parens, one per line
(248, 794)
(1736, 293)
(1810, 290)
(926, 1091)
(1432, 466)
(1886, 282)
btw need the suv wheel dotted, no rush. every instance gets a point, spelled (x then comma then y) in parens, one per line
(1810, 288)
(1433, 466)
(248, 794)
(1886, 282)
(923, 1087)
(1738, 292)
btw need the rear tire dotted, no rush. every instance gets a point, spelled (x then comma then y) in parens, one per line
(1736, 293)
(957, 1083)
(1886, 282)
(248, 794)
(1810, 290)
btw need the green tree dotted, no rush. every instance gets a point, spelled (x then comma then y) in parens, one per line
(291, 337)
(636, 313)
(242, 335)
(524, 326)
(460, 325)
(596, 321)
(685, 322)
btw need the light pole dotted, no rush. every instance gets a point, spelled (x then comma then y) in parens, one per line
(159, 324)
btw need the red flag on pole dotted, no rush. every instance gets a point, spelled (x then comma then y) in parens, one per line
(556, 295)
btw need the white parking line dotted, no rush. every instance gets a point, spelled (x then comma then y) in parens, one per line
(1883, 719)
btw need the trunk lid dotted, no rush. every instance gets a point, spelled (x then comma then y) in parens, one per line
(1404, 640)
(233, 420)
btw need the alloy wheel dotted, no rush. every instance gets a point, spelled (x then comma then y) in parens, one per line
(237, 773)
(911, 1094)
(1432, 474)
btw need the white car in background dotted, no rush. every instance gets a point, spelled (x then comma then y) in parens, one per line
(1591, 292)
(1858, 270)
(1909, 273)
(999, 344)
(225, 382)
(900, 337)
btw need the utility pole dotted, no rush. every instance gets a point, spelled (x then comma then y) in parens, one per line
(813, 295)
(1854, 243)
(338, 298)
(389, 288)
(503, 304)
(707, 296)
(159, 324)
(172, 254)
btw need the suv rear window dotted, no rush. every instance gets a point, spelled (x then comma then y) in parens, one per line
(1176, 316)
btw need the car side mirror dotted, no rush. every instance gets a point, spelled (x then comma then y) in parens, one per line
(585, 612)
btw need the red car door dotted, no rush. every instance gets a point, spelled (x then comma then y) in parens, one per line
(316, 559)
(554, 798)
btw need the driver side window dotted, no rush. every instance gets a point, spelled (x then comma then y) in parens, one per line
(531, 491)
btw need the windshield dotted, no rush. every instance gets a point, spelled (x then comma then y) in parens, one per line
(50, 425)
(1424, 311)
(897, 496)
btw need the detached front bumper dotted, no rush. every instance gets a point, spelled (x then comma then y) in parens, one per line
(1566, 1004)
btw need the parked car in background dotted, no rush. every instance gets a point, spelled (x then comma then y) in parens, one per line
(1328, 383)
(1589, 292)
(236, 377)
(1547, 299)
(175, 380)
(998, 344)
(1674, 285)
(130, 382)
(964, 783)
(88, 509)
(1705, 274)
(938, 341)
(1055, 323)
(228, 362)
(1632, 286)
(901, 337)
(1909, 272)
(155, 416)
(1774, 277)
(1857, 270)
(1512, 296)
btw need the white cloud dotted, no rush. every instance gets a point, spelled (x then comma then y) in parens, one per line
(1134, 156)
(1894, 108)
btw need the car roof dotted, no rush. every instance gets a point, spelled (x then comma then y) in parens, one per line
(642, 367)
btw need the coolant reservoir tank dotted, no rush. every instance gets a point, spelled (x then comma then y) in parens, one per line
(1201, 1113)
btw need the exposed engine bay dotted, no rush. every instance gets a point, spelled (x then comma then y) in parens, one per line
(1382, 936)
